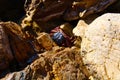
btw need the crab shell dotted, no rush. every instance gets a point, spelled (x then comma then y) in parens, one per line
(44, 10)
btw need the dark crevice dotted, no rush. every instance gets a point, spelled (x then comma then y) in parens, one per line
(11, 10)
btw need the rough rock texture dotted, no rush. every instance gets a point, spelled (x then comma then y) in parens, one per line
(45, 41)
(59, 64)
(5, 51)
(46, 12)
(11, 10)
(79, 30)
(100, 47)
(21, 48)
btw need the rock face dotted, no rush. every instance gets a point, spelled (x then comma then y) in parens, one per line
(11, 10)
(45, 41)
(20, 47)
(69, 9)
(46, 12)
(100, 47)
(5, 51)
(79, 30)
(59, 64)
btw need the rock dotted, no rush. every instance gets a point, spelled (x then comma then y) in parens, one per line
(20, 75)
(46, 15)
(79, 32)
(42, 11)
(21, 48)
(100, 47)
(45, 10)
(45, 41)
(5, 51)
(30, 26)
(61, 64)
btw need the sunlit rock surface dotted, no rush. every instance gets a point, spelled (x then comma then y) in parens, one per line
(58, 64)
(100, 47)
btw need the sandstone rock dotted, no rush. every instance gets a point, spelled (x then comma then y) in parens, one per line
(5, 51)
(21, 48)
(79, 32)
(100, 47)
(69, 9)
(61, 64)
(48, 14)
(45, 41)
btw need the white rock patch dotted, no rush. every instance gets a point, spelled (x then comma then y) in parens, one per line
(100, 47)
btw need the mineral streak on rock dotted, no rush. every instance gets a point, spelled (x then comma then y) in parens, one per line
(45, 41)
(100, 47)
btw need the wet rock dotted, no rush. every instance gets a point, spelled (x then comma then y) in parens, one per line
(59, 64)
(21, 48)
(100, 47)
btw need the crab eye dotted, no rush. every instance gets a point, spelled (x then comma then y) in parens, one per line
(58, 38)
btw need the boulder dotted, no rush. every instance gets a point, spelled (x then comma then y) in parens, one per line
(58, 64)
(47, 13)
(45, 41)
(79, 30)
(68, 9)
(100, 47)
(21, 47)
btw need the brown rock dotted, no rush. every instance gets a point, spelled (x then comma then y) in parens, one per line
(20, 47)
(46, 10)
(5, 51)
(61, 64)
(79, 30)
(45, 41)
